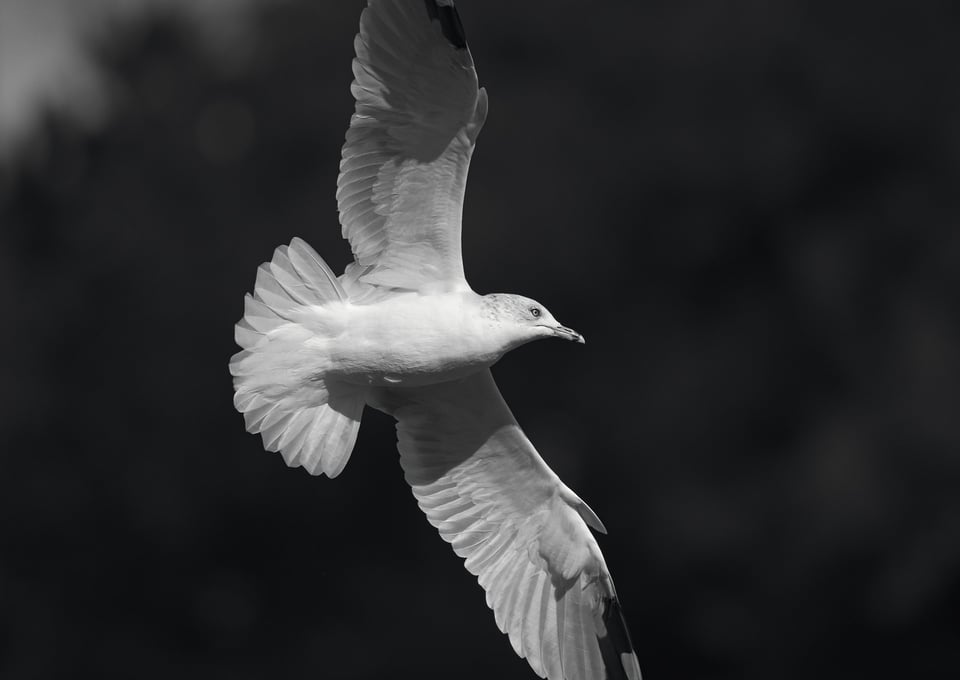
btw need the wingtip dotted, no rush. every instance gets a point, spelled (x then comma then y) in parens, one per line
(444, 12)
(616, 648)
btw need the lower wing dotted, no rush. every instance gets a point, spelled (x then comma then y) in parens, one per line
(521, 530)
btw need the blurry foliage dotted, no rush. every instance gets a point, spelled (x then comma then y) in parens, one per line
(749, 210)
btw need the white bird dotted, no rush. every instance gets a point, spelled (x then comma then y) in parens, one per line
(403, 332)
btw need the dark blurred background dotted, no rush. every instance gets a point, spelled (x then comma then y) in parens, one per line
(749, 208)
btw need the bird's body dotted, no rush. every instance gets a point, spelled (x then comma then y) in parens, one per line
(401, 331)
(415, 340)
(406, 340)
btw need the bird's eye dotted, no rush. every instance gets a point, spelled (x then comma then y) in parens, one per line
(535, 311)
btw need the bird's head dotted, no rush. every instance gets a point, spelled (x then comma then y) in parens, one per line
(524, 319)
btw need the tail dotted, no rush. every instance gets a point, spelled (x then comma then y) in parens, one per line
(280, 383)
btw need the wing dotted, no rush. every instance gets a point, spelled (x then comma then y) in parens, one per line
(522, 531)
(404, 163)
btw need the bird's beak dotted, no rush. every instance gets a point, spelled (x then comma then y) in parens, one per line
(568, 334)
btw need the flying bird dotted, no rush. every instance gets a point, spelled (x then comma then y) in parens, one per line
(401, 331)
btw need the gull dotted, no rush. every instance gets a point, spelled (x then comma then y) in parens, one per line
(401, 331)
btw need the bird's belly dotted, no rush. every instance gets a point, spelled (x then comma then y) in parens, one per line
(396, 362)
(409, 354)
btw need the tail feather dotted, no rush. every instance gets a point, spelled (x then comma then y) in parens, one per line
(280, 384)
(304, 276)
(329, 440)
(270, 292)
(292, 438)
(245, 335)
(260, 317)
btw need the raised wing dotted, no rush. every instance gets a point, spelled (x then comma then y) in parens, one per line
(522, 532)
(404, 164)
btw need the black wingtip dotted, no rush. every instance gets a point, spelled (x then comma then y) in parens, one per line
(617, 651)
(449, 20)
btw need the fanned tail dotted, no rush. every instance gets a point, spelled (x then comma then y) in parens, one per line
(279, 380)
